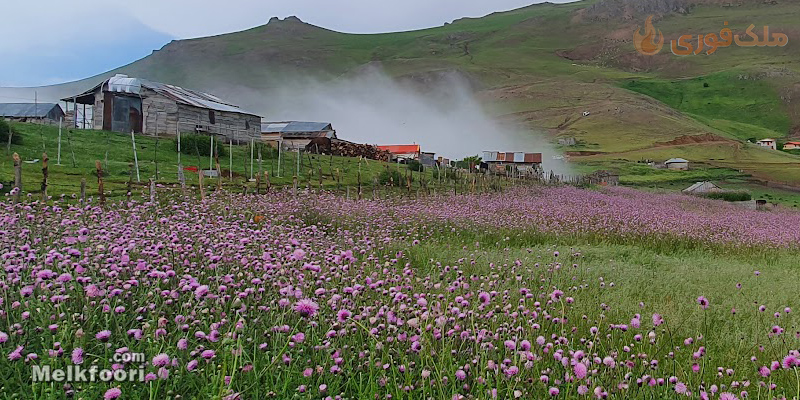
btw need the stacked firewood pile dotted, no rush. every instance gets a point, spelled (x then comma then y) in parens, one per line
(348, 149)
(369, 151)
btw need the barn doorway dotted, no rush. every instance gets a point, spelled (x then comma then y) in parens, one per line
(126, 114)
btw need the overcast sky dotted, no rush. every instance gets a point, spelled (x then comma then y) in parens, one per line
(53, 41)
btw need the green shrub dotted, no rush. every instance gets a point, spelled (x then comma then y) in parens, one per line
(415, 166)
(730, 196)
(267, 151)
(194, 144)
(390, 176)
(5, 130)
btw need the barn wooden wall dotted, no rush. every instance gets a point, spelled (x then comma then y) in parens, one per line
(164, 116)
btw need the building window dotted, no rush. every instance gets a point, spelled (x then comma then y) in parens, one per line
(211, 117)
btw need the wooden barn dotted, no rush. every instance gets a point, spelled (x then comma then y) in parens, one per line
(293, 135)
(42, 113)
(125, 104)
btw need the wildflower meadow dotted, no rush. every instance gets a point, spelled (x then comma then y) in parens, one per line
(531, 293)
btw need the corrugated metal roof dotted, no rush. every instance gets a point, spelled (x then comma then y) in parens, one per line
(295, 127)
(27, 110)
(512, 157)
(676, 160)
(124, 84)
(273, 127)
(702, 187)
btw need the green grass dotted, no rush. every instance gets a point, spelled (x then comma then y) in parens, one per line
(784, 197)
(115, 152)
(723, 96)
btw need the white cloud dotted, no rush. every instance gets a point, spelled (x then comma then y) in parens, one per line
(39, 26)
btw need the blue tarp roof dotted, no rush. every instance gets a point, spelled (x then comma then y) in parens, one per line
(27, 110)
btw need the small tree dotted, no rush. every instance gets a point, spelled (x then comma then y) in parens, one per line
(7, 130)
(192, 143)
(467, 162)
(390, 176)
(415, 166)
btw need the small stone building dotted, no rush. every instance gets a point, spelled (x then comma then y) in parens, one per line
(677, 164)
(125, 104)
(567, 141)
(768, 143)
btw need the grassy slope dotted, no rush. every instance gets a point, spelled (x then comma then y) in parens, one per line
(89, 146)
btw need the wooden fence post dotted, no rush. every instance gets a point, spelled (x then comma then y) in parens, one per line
(219, 172)
(359, 182)
(100, 188)
(130, 182)
(71, 150)
(200, 182)
(17, 176)
(152, 191)
(266, 178)
(258, 183)
(44, 176)
(182, 179)
(294, 186)
(83, 190)
(319, 170)
(10, 136)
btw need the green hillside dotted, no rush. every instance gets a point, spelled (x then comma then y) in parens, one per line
(544, 66)
(157, 158)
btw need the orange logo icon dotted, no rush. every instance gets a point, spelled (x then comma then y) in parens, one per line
(651, 42)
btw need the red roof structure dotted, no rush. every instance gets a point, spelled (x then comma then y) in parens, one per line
(401, 148)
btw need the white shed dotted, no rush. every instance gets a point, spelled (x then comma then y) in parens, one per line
(677, 164)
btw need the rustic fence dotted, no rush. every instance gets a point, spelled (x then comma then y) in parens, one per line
(256, 169)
